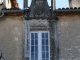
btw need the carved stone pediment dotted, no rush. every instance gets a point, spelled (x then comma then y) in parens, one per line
(39, 9)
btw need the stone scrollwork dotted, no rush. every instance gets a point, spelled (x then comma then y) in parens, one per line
(39, 9)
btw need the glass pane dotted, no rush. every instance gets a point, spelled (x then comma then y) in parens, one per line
(32, 48)
(32, 35)
(46, 48)
(32, 42)
(43, 42)
(36, 35)
(36, 48)
(43, 59)
(36, 55)
(32, 58)
(46, 41)
(47, 59)
(32, 55)
(47, 54)
(43, 48)
(42, 35)
(32, 39)
(36, 42)
(43, 54)
(46, 34)
(36, 59)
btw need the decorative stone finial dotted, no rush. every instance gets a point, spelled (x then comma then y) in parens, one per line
(39, 9)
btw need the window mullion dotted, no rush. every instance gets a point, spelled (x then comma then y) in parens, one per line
(39, 46)
(45, 44)
(34, 46)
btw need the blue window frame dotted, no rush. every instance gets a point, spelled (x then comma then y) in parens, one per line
(40, 45)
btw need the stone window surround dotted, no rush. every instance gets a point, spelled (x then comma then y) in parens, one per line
(51, 28)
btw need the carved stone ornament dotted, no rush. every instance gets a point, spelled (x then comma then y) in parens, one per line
(39, 9)
(14, 4)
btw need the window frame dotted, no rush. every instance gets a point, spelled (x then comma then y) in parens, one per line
(40, 42)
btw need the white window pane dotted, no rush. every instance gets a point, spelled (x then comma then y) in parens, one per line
(36, 48)
(39, 46)
(43, 59)
(46, 41)
(42, 35)
(36, 36)
(43, 42)
(43, 48)
(32, 55)
(36, 42)
(47, 49)
(32, 48)
(47, 54)
(43, 55)
(32, 35)
(46, 34)
(36, 55)
(32, 42)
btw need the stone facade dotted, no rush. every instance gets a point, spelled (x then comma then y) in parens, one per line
(68, 35)
(12, 37)
(13, 32)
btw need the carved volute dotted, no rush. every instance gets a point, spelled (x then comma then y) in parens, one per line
(39, 9)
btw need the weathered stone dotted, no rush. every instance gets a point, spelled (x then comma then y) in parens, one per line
(39, 9)
(69, 45)
(11, 43)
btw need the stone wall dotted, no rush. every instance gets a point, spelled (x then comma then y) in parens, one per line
(11, 37)
(14, 36)
(68, 35)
